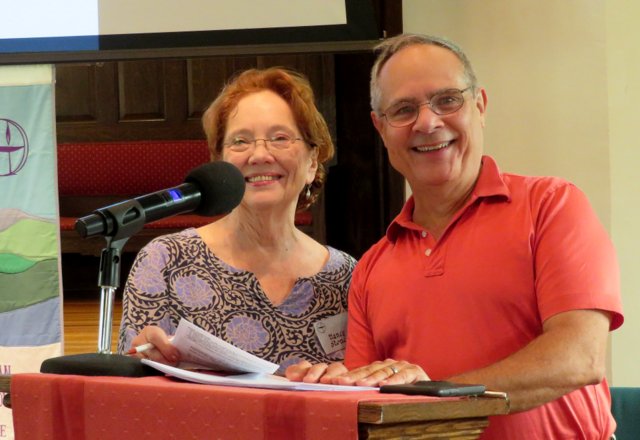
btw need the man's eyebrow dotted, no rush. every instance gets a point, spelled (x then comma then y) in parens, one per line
(412, 100)
(401, 101)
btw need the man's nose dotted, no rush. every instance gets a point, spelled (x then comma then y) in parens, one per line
(427, 119)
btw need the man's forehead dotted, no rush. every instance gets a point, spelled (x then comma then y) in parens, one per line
(420, 69)
(427, 58)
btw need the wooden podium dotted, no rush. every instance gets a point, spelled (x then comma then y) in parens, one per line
(104, 406)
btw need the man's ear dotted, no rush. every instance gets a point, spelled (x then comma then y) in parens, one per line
(481, 104)
(377, 122)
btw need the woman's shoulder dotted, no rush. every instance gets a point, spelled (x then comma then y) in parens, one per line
(174, 241)
(339, 259)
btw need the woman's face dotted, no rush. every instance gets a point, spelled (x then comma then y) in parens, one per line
(263, 141)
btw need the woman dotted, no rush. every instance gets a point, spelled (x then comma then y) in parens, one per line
(251, 278)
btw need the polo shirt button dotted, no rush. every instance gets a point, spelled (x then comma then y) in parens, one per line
(424, 234)
(427, 252)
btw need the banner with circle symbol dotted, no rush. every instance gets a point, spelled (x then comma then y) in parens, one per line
(30, 282)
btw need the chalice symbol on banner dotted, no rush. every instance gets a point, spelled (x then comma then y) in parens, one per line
(14, 147)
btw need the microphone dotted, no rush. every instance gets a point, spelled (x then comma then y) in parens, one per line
(211, 189)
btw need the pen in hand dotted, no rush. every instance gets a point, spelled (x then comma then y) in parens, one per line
(144, 347)
(141, 348)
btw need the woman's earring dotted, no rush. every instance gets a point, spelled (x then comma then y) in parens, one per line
(308, 193)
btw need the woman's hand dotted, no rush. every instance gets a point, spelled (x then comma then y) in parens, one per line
(319, 373)
(163, 350)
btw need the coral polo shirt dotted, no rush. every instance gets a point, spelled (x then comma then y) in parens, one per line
(521, 250)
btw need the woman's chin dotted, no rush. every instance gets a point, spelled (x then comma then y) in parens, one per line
(266, 202)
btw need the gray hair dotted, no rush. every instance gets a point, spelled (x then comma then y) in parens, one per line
(391, 46)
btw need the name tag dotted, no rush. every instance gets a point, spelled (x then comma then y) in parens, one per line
(332, 332)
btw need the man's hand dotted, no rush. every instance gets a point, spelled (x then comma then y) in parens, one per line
(387, 372)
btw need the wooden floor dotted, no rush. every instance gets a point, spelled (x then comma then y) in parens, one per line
(81, 325)
(82, 302)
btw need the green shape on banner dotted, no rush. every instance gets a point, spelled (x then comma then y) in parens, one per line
(10, 263)
(30, 287)
(20, 239)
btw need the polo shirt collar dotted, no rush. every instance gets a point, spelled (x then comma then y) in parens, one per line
(490, 184)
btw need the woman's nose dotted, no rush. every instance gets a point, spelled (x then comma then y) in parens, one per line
(260, 150)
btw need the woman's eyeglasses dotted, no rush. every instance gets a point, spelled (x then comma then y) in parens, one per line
(241, 144)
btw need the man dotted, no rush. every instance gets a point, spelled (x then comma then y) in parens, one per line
(484, 277)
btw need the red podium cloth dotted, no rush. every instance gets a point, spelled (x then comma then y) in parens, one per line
(61, 407)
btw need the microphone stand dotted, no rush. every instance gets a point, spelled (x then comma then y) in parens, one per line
(108, 281)
(104, 363)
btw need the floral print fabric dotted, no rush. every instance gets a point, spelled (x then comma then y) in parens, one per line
(177, 276)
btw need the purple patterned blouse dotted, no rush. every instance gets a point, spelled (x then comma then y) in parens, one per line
(177, 276)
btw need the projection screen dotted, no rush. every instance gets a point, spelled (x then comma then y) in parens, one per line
(67, 30)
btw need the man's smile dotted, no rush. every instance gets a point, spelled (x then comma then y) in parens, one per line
(429, 148)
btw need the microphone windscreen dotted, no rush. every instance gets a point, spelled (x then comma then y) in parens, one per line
(221, 186)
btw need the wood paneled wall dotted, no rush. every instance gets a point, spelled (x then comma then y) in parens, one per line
(162, 99)
(165, 99)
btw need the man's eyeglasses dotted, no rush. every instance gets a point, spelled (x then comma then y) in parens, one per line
(442, 103)
(241, 144)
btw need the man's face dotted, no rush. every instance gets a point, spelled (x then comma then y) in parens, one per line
(436, 151)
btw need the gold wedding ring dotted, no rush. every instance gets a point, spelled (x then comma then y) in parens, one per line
(394, 369)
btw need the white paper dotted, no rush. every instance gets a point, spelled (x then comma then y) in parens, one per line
(200, 349)
(249, 380)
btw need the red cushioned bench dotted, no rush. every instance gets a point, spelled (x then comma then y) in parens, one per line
(93, 175)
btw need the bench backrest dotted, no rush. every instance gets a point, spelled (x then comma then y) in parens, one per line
(126, 168)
